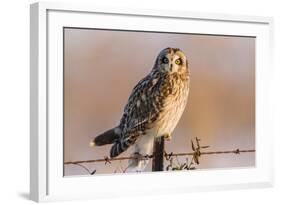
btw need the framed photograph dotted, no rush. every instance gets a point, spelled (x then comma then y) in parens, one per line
(120, 97)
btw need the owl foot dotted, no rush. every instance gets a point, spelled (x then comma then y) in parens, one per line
(168, 137)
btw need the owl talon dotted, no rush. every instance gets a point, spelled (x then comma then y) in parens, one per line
(168, 137)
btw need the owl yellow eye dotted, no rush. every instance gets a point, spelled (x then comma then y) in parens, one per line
(178, 61)
(165, 60)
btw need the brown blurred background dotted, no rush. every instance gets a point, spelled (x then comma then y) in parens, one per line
(101, 68)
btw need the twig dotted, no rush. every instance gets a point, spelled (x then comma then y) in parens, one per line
(84, 167)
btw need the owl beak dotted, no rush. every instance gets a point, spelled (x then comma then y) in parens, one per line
(171, 67)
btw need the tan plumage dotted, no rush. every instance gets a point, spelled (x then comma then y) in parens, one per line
(153, 109)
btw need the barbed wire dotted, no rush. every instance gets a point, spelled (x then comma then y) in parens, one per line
(109, 160)
(196, 153)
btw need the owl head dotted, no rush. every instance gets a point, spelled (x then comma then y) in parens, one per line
(171, 60)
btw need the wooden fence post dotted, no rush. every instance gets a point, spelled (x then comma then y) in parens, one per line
(158, 154)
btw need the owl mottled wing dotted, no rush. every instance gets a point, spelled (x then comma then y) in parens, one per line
(142, 110)
(143, 106)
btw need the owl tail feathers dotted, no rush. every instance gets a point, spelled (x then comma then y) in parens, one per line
(119, 147)
(108, 137)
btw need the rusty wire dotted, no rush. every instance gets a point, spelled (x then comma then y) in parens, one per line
(196, 154)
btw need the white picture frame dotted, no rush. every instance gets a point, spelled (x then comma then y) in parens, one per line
(46, 157)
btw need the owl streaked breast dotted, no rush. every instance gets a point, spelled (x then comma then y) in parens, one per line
(174, 104)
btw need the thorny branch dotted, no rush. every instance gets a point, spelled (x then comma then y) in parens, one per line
(170, 157)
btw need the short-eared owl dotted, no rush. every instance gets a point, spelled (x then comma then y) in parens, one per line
(153, 109)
